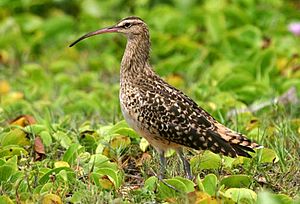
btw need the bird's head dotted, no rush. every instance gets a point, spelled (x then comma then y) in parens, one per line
(131, 26)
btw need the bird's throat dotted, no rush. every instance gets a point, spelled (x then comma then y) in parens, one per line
(136, 57)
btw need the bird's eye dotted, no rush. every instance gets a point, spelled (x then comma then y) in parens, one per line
(127, 25)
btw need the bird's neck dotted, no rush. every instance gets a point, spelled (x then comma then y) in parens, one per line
(135, 60)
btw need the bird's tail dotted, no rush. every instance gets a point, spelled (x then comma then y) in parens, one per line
(233, 143)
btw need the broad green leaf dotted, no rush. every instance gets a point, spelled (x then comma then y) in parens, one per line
(12, 150)
(268, 156)
(236, 181)
(242, 195)
(35, 128)
(46, 188)
(151, 183)
(114, 176)
(63, 174)
(63, 138)
(228, 162)
(72, 153)
(88, 139)
(210, 184)
(181, 185)
(123, 129)
(8, 169)
(46, 137)
(188, 183)
(77, 197)
(15, 136)
(6, 172)
(98, 161)
(208, 160)
(45, 178)
(267, 197)
(96, 177)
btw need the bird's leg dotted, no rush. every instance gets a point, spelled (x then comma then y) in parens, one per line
(186, 164)
(162, 172)
(162, 160)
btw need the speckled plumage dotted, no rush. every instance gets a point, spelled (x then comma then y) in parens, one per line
(162, 114)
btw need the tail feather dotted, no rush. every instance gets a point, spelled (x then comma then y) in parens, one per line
(230, 143)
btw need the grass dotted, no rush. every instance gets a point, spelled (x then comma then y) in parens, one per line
(225, 55)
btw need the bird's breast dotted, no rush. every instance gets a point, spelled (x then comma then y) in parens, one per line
(132, 107)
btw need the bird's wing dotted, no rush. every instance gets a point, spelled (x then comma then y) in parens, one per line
(178, 119)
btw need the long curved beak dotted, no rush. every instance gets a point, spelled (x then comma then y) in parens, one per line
(112, 29)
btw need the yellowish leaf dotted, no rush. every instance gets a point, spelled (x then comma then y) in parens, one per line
(61, 164)
(144, 144)
(106, 183)
(51, 199)
(4, 87)
(120, 141)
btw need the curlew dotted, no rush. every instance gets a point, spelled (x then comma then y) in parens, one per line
(162, 114)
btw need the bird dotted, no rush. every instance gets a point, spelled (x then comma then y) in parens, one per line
(162, 114)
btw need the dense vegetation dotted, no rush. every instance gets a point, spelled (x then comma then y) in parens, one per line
(62, 135)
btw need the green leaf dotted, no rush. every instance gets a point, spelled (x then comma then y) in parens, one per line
(267, 197)
(208, 160)
(45, 178)
(46, 188)
(5, 173)
(236, 181)
(63, 139)
(12, 150)
(8, 169)
(182, 185)
(72, 153)
(5, 200)
(123, 129)
(77, 197)
(268, 156)
(241, 195)
(88, 139)
(35, 128)
(210, 184)
(114, 176)
(188, 183)
(96, 178)
(46, 138)
(151, 183)
(15, 136)
(200, 184)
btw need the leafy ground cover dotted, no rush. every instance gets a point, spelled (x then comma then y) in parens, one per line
(62, 136)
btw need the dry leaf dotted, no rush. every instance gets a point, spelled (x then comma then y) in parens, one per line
(141, 160)
(23, 120)
(39, 148)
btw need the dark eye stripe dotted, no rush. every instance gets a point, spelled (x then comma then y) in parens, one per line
(127, 25)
